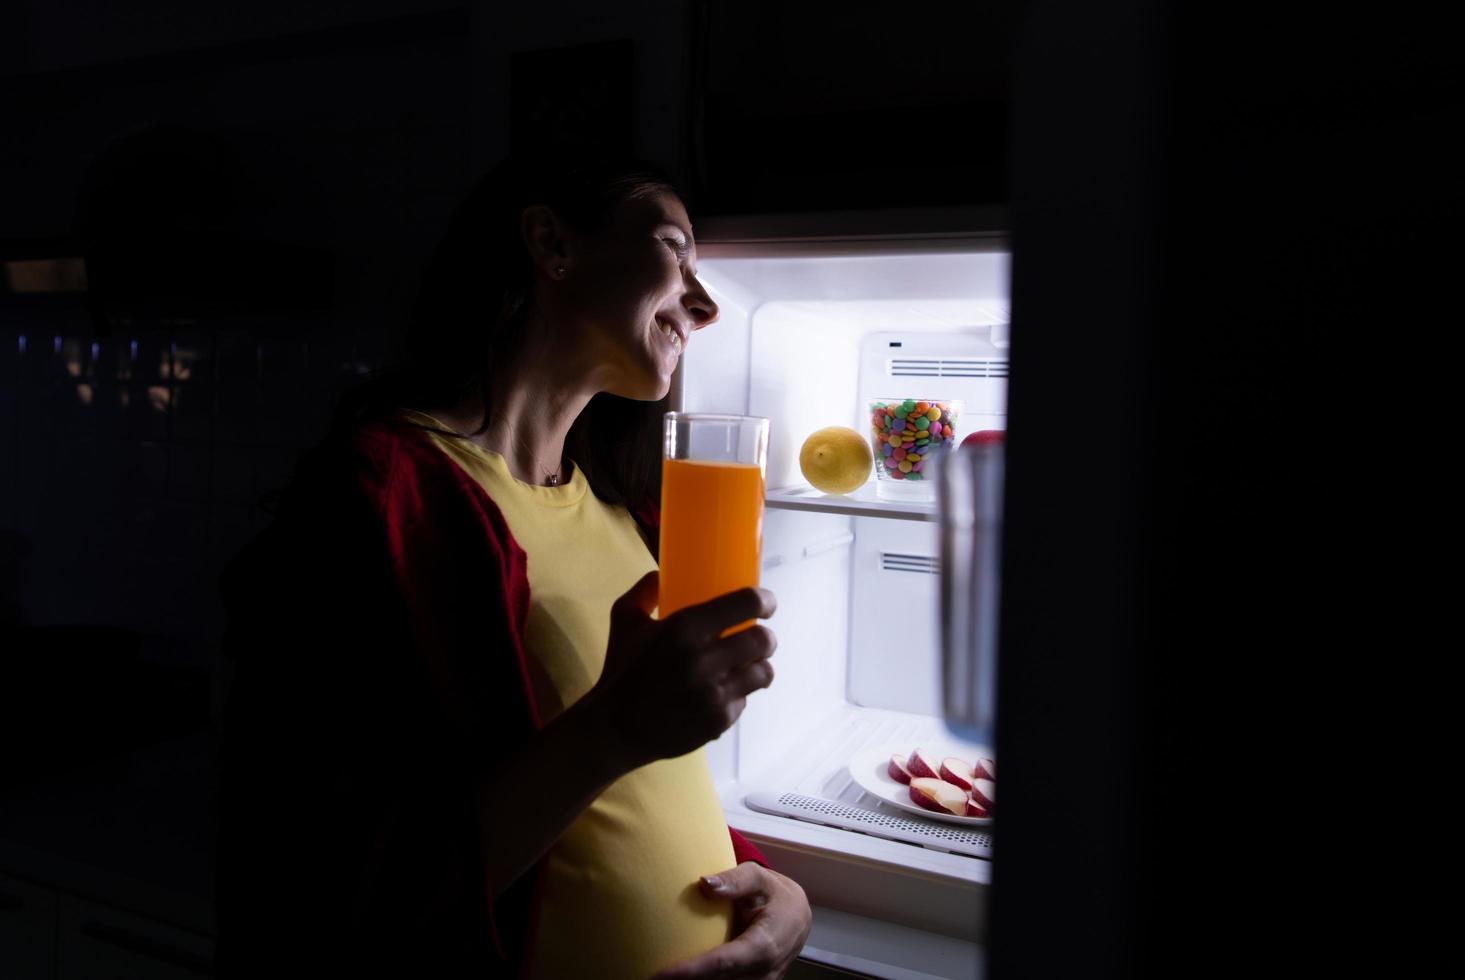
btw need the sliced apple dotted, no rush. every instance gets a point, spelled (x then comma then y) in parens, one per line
(984, 792)
(986, 769)
(921, 764)
(938, 795)
(957, 772)
(972, 810)
(898, 771)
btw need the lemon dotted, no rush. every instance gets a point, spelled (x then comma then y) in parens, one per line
(835, 460)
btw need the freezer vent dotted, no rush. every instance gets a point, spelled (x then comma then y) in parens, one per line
(910, 563)
(832, 813)
(948, 367)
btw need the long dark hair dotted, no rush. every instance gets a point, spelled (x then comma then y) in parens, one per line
(476, 294)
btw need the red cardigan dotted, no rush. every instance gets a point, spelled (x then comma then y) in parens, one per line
(377, 631)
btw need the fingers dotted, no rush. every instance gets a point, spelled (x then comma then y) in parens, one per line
(738, 684)
(707, 620)
(749, 954)
(775, 922)
(741, 650)
(642, 597)
(747, 879)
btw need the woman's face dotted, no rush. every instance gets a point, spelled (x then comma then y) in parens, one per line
(632, 292)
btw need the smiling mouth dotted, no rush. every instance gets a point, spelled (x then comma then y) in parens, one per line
(668, 332)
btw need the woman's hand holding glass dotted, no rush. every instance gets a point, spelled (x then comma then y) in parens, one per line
(671, 686)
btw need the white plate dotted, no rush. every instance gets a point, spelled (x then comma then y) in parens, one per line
(871, 769)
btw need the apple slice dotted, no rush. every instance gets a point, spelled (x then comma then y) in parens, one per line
(984, 792)
(957, 772)
(972, 810)
(921, 764)
(898, 771)
(986, 769)
(938, 795)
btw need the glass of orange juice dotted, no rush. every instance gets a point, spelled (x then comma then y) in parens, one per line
(712, 475)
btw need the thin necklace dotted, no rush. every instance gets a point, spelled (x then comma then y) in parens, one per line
(550, 479)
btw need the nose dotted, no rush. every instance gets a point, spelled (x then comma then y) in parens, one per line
(704, 311)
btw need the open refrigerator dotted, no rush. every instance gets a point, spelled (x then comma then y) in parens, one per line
(810, 333)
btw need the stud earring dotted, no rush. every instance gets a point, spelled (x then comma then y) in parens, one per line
(560, 272)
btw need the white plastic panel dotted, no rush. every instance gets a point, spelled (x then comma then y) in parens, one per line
(967, 367)
(862, 272)
(807, 567)
(713, 373)
(794, 318)
(806, 369)
(877, 948)
(894, 644)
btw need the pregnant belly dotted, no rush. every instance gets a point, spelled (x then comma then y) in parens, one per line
(620, 895)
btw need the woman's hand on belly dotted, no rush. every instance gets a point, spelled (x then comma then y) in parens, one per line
(773, 920)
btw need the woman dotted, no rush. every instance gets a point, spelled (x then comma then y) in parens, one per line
(457, 741)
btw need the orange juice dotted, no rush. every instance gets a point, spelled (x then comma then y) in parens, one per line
(711, 531)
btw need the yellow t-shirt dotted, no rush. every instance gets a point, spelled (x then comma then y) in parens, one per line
(620, 896)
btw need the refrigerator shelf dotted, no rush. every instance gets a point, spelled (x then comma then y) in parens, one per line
(923, 833)
(860, 503)
(821, 791)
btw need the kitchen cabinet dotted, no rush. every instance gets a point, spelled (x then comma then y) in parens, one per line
(99, 941)
(106, 868)
(27, 930)
(46, 934)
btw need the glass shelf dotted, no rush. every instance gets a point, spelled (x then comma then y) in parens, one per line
(861, 503)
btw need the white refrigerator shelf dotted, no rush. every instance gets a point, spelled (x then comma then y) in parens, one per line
(822, 791)
(861, 503)
(867, 820)
(838, 815)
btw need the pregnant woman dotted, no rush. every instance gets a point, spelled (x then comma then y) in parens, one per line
(457, 742)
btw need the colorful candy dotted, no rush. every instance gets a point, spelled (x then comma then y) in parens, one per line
(907, 433)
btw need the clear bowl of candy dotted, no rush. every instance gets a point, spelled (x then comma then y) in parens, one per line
(907, 434)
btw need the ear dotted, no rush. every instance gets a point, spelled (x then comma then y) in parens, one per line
(545, 238)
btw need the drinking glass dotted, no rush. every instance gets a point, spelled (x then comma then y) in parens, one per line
(712, 482)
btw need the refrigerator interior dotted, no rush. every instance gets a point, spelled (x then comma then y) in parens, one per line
(808, 333)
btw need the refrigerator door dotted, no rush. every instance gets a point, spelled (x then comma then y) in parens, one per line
(969, 493)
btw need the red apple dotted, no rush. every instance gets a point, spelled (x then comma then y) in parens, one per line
(984, 792)
(986, 769)
(921, 764)
(898, 771)
(938, 795)
(957, 772)
(985, 436)
(972, 810)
